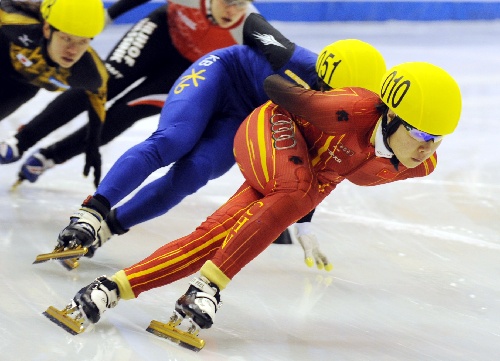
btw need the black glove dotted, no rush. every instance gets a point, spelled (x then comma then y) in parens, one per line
(93, 141)
(93, 160)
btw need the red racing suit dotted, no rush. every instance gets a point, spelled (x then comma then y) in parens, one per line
(191, 30)
(290, 163)
(194, 35)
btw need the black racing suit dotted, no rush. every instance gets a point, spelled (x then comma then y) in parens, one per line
(159, 63)
(26, 68)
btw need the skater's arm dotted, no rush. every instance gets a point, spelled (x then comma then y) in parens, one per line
(259, 34)
(93, 140)
(97, 114)
(307, 239)
(284, 93)
(320, 108)
(122, 6)
(97, 96)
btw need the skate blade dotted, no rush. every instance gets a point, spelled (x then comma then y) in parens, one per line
(62, 255)
(61, 318)
(172, 333)
(70, 263)
(15, 185)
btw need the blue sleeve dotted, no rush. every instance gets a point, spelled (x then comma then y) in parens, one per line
(301, 68)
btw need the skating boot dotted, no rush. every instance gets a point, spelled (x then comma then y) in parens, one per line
(103, 236)
(109, 227)
(9, 152)
(87, 306)
(81, 233)
(33, 168)
(199, 304)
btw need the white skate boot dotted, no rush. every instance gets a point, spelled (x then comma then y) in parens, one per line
(82, 229)
(87, 306)
(109, 227)
(80, 235)
(103, 235)
(75, 240)
(199, 304)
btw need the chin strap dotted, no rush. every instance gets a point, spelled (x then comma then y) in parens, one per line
(208, 6)
(395, 162)
(387, 130)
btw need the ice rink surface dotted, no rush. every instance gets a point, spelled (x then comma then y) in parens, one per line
(416, 263)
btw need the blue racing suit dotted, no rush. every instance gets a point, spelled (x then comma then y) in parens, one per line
(198, 122)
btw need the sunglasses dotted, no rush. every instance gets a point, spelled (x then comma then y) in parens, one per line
(418, 134)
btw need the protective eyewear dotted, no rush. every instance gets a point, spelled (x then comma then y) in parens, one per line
(419, 135)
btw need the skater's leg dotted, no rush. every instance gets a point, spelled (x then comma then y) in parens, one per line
(59, 112)
(211, 158)
(186, 255)
(180, 128)
(283, 174)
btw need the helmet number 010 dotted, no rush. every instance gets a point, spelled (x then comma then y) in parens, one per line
(394, 89)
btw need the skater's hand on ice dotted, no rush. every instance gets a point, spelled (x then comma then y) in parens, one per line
(93, 160)
(92, 155)
(312, 253)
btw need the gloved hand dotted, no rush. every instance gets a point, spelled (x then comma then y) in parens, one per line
(93, 160)
(92, 155)
(312, 253)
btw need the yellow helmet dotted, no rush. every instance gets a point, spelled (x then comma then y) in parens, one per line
(85, 18)
(424, 96)
(351, 62)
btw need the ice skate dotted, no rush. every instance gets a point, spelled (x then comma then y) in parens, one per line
(9, 152)
(86, 307)
(63, 254)
(75, 240)
(199, 305)
(103, 235)
(33, 168)
(70, 258)
(188, 339)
